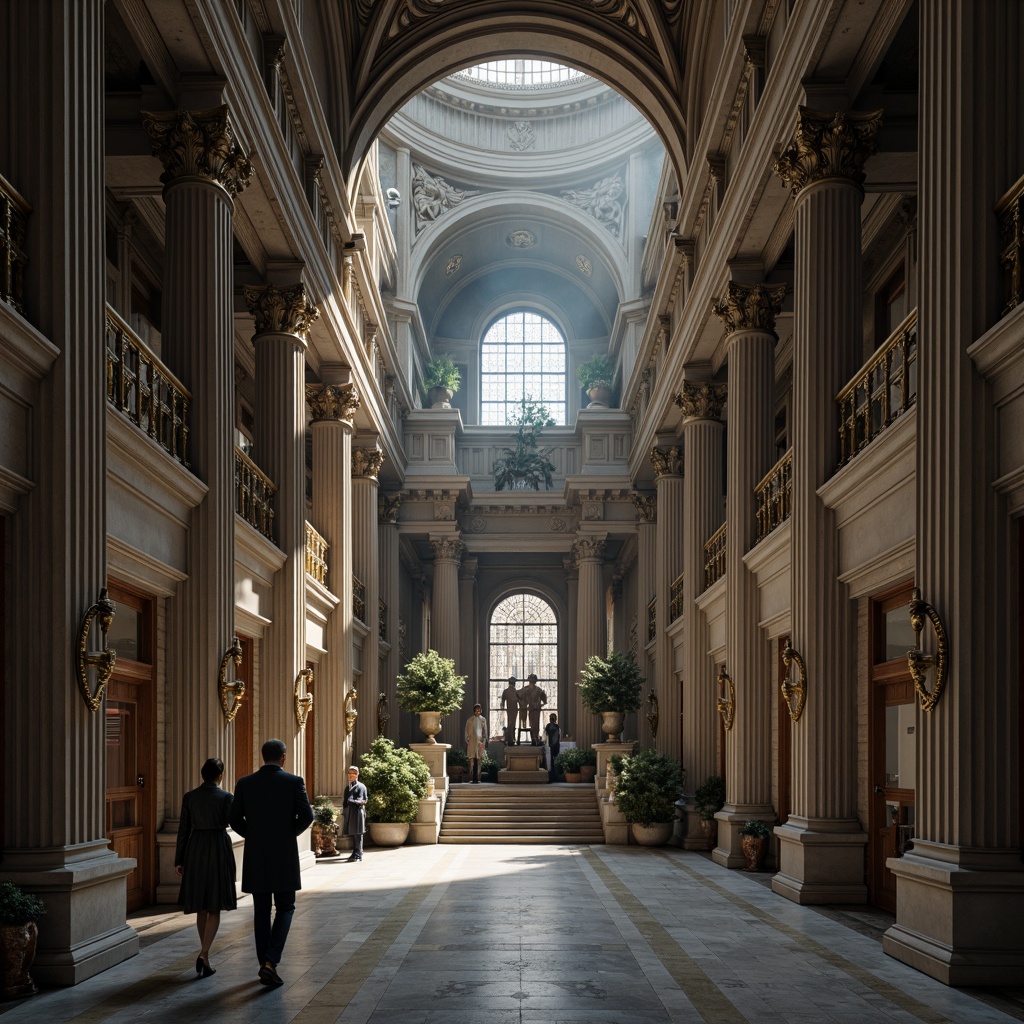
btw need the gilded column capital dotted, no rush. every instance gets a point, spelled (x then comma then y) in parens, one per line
(333, 402)
(646, 506)
(667, 461)
(198, 143)
(280, 310)
(447, 549)
(828, 146)
(572, 572)
(366, 462)
(750, 307)
(585, 548)
(388, 506)
(701, 400)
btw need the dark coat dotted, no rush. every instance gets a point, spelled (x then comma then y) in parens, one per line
(204, 851)
(353, 804)
(270, 809)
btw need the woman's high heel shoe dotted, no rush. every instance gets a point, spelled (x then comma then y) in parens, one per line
(203, 969)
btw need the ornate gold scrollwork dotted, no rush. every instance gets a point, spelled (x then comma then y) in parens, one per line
(303, 704)
(383, 717)
(351, 714)
(727, 705)
(919, 662)
(799, 690)
(231, 691)
(653, 714)
(103, 660)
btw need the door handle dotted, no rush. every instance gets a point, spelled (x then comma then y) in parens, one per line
(879, 791)
(141, 782)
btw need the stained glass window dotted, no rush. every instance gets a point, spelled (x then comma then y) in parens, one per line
(522, 356)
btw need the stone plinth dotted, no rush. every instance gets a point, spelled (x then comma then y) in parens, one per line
(523, 764)
(605, 751)
(436, 756)
(613, 821)
(425, 829)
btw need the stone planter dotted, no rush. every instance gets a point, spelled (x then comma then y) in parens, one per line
(388, 833)
(17, 951)
(600, 396)
(652, 835)
(457, 772)
(710, 829)
(329, 843)
(754, 850)
(573, 777)
(440, 398)
(611, 725)
(430, 724)
(588, 772)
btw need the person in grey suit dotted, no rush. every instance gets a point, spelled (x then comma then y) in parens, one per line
(353, 804)
(270, 810)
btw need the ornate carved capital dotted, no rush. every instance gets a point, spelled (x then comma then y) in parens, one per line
(667, 461)
(701, 400)
(646, 506)
(588, 548)
(571, 568)
(198, 143)
(750, 307)
(280, 310)
(828, 146)
(333, 402)
(447, 548)
(366, 462)
(388, 506)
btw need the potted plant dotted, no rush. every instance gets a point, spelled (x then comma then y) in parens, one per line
(525, 466)
(569, 762)
(709, 799)
(646, 793)
(611, 687)
(756, 836)
(396, 779)
(489, 769)
(588, 766)
(595, 378)
(441, 379)
(325, 827)
(19, 911)
(458, 764)
(430, 688)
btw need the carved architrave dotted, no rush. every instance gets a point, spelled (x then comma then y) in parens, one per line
(667, 461)
(388, 506)
(280, 310)
(198, 143)
(367, 462)
(701, 400)
(828, 146)
(750, 307)
(646, 506)
(333, 402)
(588, 548)
(447, 548)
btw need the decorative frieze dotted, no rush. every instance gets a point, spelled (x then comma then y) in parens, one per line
(333, 402)
(667, 461)
(646, 506)
(367, 462)
(280, 310)
(750, 308)
(701, 400)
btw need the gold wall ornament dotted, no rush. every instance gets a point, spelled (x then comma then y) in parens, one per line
(234, 688)
(727, 704)
(367, 462)
(653, 714)
(701, 400)
(351, 713)
(103, 660)
(750, 307)
(303, 703)
(918, 662)
(791, 690)
(382, 713)
(667, 461)
(333, 402)
(280, 310)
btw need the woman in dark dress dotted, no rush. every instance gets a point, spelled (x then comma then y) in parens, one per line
(204, 859)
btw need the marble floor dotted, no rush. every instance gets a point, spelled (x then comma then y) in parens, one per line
(510, 934)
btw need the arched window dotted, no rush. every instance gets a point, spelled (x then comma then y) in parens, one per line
(522, 356)
(523, 638)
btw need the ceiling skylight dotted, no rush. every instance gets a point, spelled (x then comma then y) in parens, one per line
(521, 73)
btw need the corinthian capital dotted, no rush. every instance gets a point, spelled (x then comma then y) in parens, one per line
(333, 402)
(388, 506)
(701, 400)
(198, 143)
(828, 146)
(750, 308)
(588, 547)
(667, 461)
(447, 548)
(280, 310)
(366, 462)
(646, 506)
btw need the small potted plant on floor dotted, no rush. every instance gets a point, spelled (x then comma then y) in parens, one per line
(569, 762)
(646, 793)
(588, 766)
(325, 827)
(441, 379)
(458, 764)
(595, 378)
(756, 836)
(489, 769)
(709, 799)
(611, 687)
(430, 688)
(19, 911)
(396, 779)
(526, 466)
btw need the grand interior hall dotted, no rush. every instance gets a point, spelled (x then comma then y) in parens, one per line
(333, 332)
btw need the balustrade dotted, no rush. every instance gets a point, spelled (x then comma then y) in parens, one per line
(774, 496)
(1010, 211)
(382, 620)
(714, 557)
(358, 598)
(254, 495)
(675, 606)
(14, 213)
(316, 555)
(652, 621)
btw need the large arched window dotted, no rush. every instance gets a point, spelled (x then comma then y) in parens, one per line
(523, 638)
(522, 356)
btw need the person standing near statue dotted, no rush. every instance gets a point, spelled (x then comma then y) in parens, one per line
(476, 740)
(510, 708)
(524, 711)
(536, 698)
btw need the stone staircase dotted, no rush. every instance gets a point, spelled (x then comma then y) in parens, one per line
(551, 814)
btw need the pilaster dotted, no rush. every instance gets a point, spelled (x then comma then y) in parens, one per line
(386, 712)
(570, 716)
(444, 608)
(646, 506)
(588, 550)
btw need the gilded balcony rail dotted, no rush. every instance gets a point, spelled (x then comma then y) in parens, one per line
(1010, 211)
(675, 603)
(884, 387)
(14, 213)
(382, 619)
(714, 556)
(652, 620)
(316, 555)
(141, 387)
(254, 495)
(358, 598)
(774, 496)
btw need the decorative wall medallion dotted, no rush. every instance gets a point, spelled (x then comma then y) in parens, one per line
(477, 524)
(558, 524)
(453, 265)
(584, 264)
(592, 510)
(522, 239)
(442, 510)
(521, 135)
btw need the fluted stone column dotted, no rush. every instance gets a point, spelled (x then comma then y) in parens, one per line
(333, 408)
(390, 583)
(668, 481)
(444, 606)
(646, 506)
(282, 318)
(366, 465)
(703, 431)
(476, 688)
(821, 854)
(590, 624)
(568, 701)
(960, 888)
(749, 317)
(55, 765)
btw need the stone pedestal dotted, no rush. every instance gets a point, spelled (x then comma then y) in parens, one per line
(605, 751)
(613, 821)
(427, 826)
(523, 764)
(436, 756)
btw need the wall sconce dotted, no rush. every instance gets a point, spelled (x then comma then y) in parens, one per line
(653, 714)
(798, 689)
(231, 691)
(383, 717)
(351, 714)
(103, 660)
(304, 703)
(918, 662)
(727, 704)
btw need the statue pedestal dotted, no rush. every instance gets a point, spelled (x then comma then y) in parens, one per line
(523, 764)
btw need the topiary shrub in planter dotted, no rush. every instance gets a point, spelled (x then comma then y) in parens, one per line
(611, 687)
(709, 799)
(588, 766)
(325, 827)
(441, 379)
(756, 836)
(430, 688)
(396, 779)
(19, 911)
(595, 378)
(648, 786)
(569, 762)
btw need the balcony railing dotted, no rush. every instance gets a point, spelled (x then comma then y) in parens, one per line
(316, 555)
(774, 496)
(141, 387)
(675, 604)
(1010, 211)
(14, 213)
(652, 620)
(884, 387)
(254, 495)
(382, 619)
(714, 556)
(358, 598)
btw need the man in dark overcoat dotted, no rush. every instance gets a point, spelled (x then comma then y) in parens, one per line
(353, 812)
(271, 809)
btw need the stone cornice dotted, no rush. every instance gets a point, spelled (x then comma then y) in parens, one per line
(667, 461)
(333, 402)
(280, 310)
(750, 307)
(366, 463)
(701, 400)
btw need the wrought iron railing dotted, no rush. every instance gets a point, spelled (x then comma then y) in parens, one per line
(254, 495)
(14, 213)
(358, 598)
(714, 556)
(1010, 211)
(141, 387)
(675, 601)
(316, 555)
(884, 387)
(652, 620)
(382, 619)
(773, 496)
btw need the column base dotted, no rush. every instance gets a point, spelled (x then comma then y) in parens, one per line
(821, 860)
(613, 821)
(692, 836)
(958, 914)
(729, 851)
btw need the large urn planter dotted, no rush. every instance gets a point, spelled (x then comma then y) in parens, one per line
(573, 777)
(710, 829)
(611, 725)
(388, 833)
(755, 836)
(430, 724)
(588, 772)
(440, 398)
(17, 951)
(657, 834)
(600, 396)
